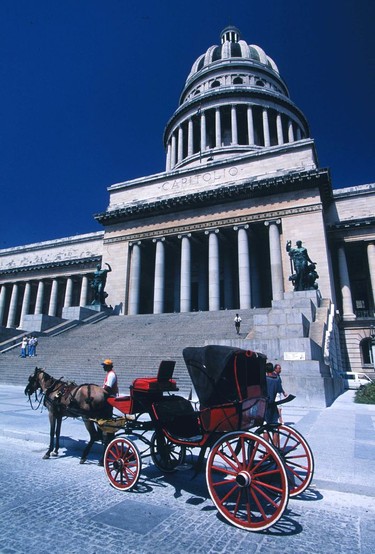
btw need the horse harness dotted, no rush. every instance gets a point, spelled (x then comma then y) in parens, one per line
(62, 399)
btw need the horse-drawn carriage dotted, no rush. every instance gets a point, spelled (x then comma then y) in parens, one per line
(252, 468)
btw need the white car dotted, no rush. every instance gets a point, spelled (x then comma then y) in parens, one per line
(355, 380)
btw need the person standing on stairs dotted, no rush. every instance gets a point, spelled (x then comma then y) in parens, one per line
(237, 323)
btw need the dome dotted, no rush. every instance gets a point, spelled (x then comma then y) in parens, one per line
(234, 102)
(232, 47)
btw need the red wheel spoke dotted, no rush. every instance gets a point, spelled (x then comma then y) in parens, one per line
(266, 496)
(259, 505)
(227, 460)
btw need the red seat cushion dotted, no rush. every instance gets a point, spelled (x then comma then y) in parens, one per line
(152, 384)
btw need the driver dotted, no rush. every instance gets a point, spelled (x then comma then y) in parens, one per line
(110, 381)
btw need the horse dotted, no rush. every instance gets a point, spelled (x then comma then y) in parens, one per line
(66, 399)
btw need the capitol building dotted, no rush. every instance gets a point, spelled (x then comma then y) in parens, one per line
(209, 232)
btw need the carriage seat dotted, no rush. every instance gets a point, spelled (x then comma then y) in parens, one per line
(178, 417)
(234, 416)
(146, 384)
(163, 382)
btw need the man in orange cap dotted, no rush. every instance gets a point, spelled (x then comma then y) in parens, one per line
(110, 381)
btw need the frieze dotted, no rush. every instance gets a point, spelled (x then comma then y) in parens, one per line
(247, 189)
(176, 230)
(86, 263)
(216, 176)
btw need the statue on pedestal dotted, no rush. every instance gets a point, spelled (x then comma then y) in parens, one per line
(98, 284)
(304, 273)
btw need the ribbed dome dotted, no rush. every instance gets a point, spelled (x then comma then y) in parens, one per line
(232, 47)
(234, 102)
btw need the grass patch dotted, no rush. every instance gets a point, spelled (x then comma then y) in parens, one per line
(365, 395)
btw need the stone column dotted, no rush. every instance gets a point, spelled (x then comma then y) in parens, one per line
(266, 128)
(279, 127)
(84, 291)
(68, 293)
(25, 303)
(3, 296)
(347, 302)
(180, 145)
(371, 265)
(203, 283)
(233, 118)
(290, 131)
(275, 259)
(298, 133)
(185, 273)
(39, 298)
(135, 278)
(168, 164)
(52, 308)
(173, 151)
(13, 306)
(217, 128)
(159, 276)
(243, 267)
(250, 125)
(190, 138)
(213, 270)
(203, 132)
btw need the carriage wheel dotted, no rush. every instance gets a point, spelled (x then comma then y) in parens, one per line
(247, 481)
(165, 454)
(297, 457)
(122, 463)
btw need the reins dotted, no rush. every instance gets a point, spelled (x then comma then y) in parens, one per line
(39, 400)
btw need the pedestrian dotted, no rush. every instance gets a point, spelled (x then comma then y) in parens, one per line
(279, 395)
(110, 381)
(35, 345)
(32, 346)
(273, 388)
(237, 323)
(24, 347)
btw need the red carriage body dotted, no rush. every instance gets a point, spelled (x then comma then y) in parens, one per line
(249, 474)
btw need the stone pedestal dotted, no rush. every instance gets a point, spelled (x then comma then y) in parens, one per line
(78, 312)
(98, 308)
(39, 322)
(292, 334)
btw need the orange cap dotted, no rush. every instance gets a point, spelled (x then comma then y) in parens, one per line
(107, 362)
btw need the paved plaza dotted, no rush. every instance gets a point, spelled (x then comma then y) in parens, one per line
(60, 505)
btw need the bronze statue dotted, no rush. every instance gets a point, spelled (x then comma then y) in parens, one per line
(304, 275)
(98, 284)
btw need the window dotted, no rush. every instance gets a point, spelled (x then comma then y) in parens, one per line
(366, 352)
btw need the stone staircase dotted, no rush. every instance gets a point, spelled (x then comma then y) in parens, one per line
(292, 332)
(136, 344)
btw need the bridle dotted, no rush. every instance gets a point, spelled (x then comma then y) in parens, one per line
(39, 394)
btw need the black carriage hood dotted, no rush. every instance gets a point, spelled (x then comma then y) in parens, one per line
(211, 369)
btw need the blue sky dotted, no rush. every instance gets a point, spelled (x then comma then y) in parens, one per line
(87, 87)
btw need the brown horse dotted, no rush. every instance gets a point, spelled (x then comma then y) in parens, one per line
(64, 399)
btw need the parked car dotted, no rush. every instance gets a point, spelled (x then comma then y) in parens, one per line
(355, 380)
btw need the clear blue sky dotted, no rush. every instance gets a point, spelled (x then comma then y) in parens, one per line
(87, 87)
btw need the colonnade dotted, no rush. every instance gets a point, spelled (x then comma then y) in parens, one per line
(43, 296)
(246, 125)
(219, 250)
